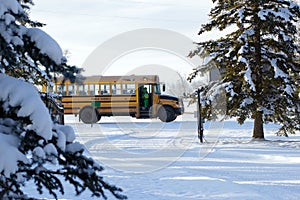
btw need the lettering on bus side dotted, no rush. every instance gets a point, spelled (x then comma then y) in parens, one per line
(95, 98)
(104, 98)
(101, 98)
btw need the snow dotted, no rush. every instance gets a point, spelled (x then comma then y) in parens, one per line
(288, 89)
(149, 159)
(278, 71)
(248, 78)
(242, 59)
(68, 132)
(74, 147)
(285, 37)
(10, 5)
(247, 101)
(61, 142)
(13, 32)
(267, 111)
(24, 97)
(20, 93)
(241, 15)
(9, 154)
(50, 149)
(8, 18)
(283, 13)
(65, 135)
(46, 44)
(229, 89)
(244, 37)
(16, 93)
(39, 152)
(10, 32)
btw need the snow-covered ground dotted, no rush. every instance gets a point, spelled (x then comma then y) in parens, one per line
(151, 160)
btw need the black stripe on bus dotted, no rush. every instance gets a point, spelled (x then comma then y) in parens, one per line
(89, 101)
(100, 96)
(116, 107)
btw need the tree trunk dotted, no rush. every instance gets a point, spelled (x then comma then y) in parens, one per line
(258, 129)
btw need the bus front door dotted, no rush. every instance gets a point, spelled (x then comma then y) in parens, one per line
(145, 100)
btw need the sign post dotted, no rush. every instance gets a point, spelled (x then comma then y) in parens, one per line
(200, 121)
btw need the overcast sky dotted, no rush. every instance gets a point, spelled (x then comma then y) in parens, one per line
(80, 26)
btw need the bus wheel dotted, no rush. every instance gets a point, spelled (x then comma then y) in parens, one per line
(89, 115)
(166, 114)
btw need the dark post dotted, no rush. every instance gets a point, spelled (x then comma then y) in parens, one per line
(200, 121)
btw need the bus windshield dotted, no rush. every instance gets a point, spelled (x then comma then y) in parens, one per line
(157, 89)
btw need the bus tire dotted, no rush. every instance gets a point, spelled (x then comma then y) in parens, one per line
(89, 115)
(166, 114)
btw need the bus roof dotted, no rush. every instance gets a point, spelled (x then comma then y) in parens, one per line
(130, 78)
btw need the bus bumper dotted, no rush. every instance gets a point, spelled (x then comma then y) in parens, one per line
(179, 111)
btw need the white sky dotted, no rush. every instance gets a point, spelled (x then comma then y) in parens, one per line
(80, 26)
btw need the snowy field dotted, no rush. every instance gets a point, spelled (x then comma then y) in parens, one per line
(151, 160)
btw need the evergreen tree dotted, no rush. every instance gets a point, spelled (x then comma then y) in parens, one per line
(257, 61)
(32, 147)
(23, 53)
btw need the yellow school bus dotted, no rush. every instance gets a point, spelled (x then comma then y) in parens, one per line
(137, 96)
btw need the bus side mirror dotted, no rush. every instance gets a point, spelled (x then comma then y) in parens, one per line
(164, 87)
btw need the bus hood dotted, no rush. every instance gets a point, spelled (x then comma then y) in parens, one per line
(165, 96)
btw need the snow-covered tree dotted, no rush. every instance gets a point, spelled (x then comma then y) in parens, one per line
(27, 51)
(298, 25)
(257, 60)
(32, 147)
(182, 87)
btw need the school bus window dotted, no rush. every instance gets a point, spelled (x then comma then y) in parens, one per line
(148, 87)
(82, 90)
(93, 89)
(86, 89)
(50, 88)
(116, 89)
(61, 89)
(97, 89)
(105, 89)
(128, 88)
(71, 89)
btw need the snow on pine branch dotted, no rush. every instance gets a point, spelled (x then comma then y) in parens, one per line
(9, 154)
(248, 78)
(283, 13)
(20, 93)
(14, 32)
(11, 33)
(16, 93)
(46, 44)
(10, 5)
